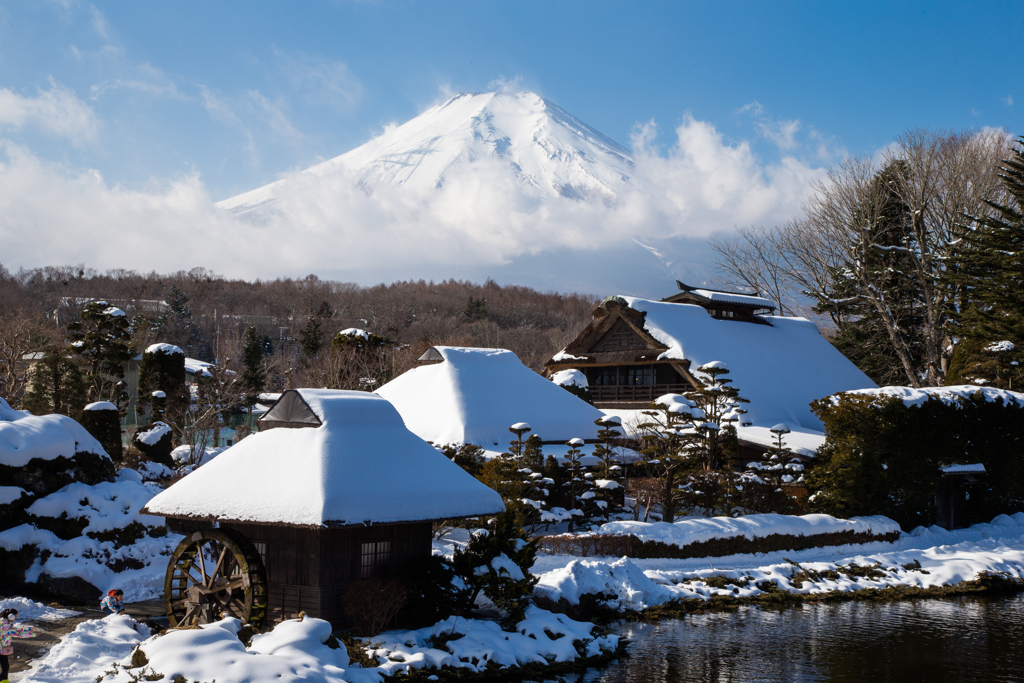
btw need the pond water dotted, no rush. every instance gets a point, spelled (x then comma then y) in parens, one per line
(963, 639)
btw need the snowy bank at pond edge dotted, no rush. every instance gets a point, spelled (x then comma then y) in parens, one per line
(925, 558)
(303, 649)
(687, 531)
(30, 610)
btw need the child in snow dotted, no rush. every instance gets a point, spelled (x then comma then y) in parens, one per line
(113, 603)
(8, 631)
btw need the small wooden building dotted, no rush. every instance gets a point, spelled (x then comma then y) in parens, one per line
(333, 489)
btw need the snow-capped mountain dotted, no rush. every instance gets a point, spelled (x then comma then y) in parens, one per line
(547, 149)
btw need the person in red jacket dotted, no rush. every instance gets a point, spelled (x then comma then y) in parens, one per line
(113, 603)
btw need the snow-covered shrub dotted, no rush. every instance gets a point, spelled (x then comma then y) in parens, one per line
(468, 456)
(156, 443)
(432, 591)
(498, 564)
(883, 449)
(575, 382)
(162, 387)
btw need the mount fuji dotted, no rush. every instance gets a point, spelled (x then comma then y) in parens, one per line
(498, 185)
(549, 151)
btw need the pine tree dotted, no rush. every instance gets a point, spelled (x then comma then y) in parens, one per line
(582, 499)
(988, 264)
(498, 564)
(476, 309)
(162, 385)
(176, 324)
(56, 385)
(102, 340)
(609, 469)
(884, 227)
(312, 337)
(254, 374)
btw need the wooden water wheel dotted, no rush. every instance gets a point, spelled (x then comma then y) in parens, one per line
(212, 574)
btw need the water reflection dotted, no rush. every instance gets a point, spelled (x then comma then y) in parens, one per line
(965, 639)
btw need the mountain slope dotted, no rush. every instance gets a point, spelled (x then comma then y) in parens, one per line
(547, 149)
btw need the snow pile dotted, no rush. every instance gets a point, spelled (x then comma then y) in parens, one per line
(169, 349)
(204, 454)
(360, 465)
(570, 378)
(156, 431)
(541, 637)
(473, 395)
(622, 583)
(30, 610)
(9, 494)
(24, 436)
(687, 531)
(780, 367)
(1000, 346)
(952, 396)
(110, 552)
(101, 405)
(354, 332)
(89, 651)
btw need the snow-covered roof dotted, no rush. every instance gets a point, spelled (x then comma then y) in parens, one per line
(24, 436)
(360, 466)
(733, 298)
(194, 366)
(780, 367)
(474, 395)
(976, 468)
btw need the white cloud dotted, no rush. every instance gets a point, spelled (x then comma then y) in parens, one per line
(143, 78)
(782, 133)
(502, 84)
(1008, 100)
(57, 111)
(274, 114)
(99, 23)
(332, 225)
(221, 110)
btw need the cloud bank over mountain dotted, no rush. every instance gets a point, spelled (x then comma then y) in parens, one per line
(485, 185)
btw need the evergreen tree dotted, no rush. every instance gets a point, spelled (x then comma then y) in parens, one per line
(105, 426)
(176, 324)
(162, 386)
(102, 340)
(885, 230)
(312, 337)
(498, 563)
(988, 265)
(476, 309)
(581, 497)
(254, 374)
(56, 385)
(609, 469)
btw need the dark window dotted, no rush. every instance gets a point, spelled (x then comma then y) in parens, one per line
(606, 377)
(642, 375)
(261, 548)
(375, 555)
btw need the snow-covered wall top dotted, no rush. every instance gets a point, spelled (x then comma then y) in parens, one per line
(474, 395)
(948, 395)
(780, 367)
(361, 465)
(24, 436)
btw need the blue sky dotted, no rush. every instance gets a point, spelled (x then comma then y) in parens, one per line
(230, 95)
(244, 91)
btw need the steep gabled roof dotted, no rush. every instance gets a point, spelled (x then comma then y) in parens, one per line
(780, 367)
(474, 395)
(705, 296)
(360, 466)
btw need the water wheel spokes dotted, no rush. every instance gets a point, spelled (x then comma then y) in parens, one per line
(212, 574)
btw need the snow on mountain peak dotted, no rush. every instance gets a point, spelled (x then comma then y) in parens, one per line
(547, 149)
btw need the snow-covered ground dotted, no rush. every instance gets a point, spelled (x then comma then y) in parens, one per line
(302, 649)
(945, 558)
(30, 610)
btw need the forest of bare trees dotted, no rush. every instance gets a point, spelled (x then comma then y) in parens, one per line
(208, 315)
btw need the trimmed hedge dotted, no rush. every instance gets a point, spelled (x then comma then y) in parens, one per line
(628, 545)
(43, 477)
(882, 457)
(105, 426)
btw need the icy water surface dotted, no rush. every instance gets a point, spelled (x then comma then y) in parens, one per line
(966, 639)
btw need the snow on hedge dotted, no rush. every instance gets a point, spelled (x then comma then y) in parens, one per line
(101, 405)
(156, 431)
(953, 395)
(106, 507)
(24, 436)
(570, 378)
(687, 531)
(473, 395)
(9, 494)
(541, 637)
(780, 367)
(360, 465)
(169, 349)
(30, 610)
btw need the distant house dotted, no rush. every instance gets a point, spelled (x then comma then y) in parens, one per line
(635, 350)
(334, 489)
(467, 395)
